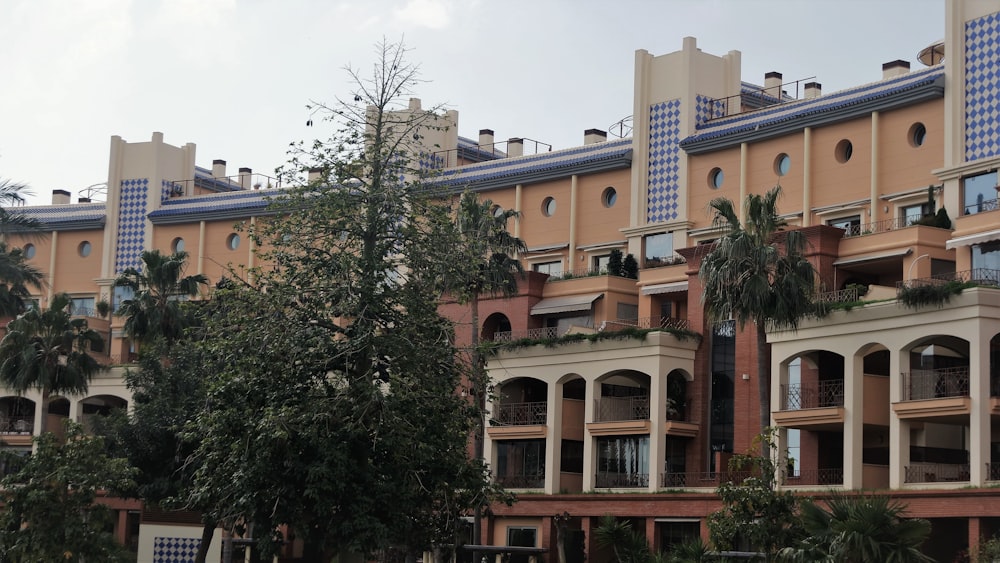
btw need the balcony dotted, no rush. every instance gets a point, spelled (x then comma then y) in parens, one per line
(621, 480)
(979, 276)
(545, 333)
(815, 406)
(922, 384)
(645, 323)
(616, 409)
(822, 477)
(520, 414)
(702, 478)
(993, 471)
(936, 472)
(521, 481)
(17, 424)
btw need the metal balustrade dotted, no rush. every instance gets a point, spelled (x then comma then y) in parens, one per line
(936, 472)
(827, 476)
(702, 478)
(612, 409)
(521, 481)
(621, 480)
(922, 384)
(823, 394)
(519, 414)
(544, 333)
(978, 276)
(645, 323)
(993, 471)
(17, 424)
(840, 296)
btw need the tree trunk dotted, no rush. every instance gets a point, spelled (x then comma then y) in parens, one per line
(207, 531)
(763, 378)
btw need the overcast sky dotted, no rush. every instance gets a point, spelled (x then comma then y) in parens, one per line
(234, 76)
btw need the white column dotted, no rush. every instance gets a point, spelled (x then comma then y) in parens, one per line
(899, 430)
(589, 445)
(553, 438)
(657, 419)
(854, 386)
(573, 196)
(979, 417)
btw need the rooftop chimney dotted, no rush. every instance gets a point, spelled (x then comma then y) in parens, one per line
(83, 200)
(813, 90)
(218, 168)
(515, 146)
(772, 84)
(245, 177)
(591, 136)
(486, 139)
(895, 68)
(315, 174)
(60, 197)
(414, 103)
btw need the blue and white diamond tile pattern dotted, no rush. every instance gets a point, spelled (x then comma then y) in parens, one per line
(430, 161)
(131, 224)
(175, 550)
(982, 87)
(706, 108)
(664, 161)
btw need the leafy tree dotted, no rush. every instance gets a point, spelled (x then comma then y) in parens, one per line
(630, 267)
(49, 511)
(155, 310)
(357, 439)
(859, 528)
(752, 509)
(627, 544)
(47, 351)
(759, 274)
(615, 263)
(168, 390)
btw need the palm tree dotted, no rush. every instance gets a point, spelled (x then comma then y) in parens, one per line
(488, 267)
(47, 351)
(16, 275)
(862, 528)
(154, 310)
(11, 195)
(757, 273)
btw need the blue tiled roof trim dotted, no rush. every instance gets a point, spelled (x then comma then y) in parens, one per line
(231, 205)
(915, 87)
(69, 217)
(535, 168)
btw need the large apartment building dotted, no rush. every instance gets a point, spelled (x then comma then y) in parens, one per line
(880, 396)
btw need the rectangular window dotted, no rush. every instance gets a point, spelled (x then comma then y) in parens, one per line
(986, 256)
(628, 311)
(550, 268)
(600, 263)
(913, 213)
(82, 306)
(623, 461)
(851, 225)
(521, 536)
(794, 453)
(979, 193)
(659, 249)
(521, 464)
(571, 458)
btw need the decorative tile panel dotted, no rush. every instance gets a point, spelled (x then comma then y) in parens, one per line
(982, 87)
(663, 178)
(131, 224)
(168, 188)
(175, 550)
(706, 108)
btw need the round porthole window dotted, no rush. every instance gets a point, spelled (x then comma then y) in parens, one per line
(609, 197)
(29, 251)
(844, 151)
(782, 164)
(549, 207)
(233, 242)
(177, 245)
(918, 134)
(715, 178)
(84, 249)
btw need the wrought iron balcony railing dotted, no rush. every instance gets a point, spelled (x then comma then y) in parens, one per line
(519, 414)
(823, 394)
(978, 276)
(521, 481)
(922, 384)
(828, 476)
(702, 478)
(936, 472)
(544, 333)
(621, 480)
(613, 409)
(24, 424)
(645, 322)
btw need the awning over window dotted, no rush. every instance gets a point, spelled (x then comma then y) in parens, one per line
(565, 304)
(969, 240)
(872, 258)
(659, 288)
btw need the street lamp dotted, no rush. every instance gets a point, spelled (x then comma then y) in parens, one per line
(909, 271)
